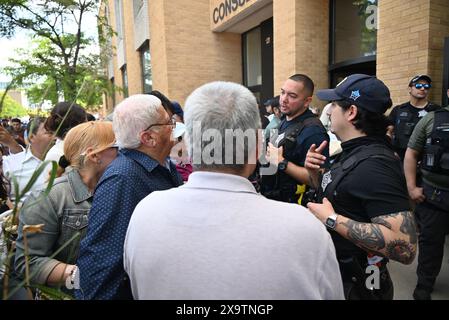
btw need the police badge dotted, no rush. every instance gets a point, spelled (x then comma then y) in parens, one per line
(327, 178)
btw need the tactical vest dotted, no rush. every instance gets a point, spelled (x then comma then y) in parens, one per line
(292, 132)
(405, 122)
(291, 192)
(339, 170)
(436, 150)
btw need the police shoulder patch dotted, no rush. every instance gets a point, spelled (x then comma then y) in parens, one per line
(327, 178)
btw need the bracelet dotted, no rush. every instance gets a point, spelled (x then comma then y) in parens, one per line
(73, 275)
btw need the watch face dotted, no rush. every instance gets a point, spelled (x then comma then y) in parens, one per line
(282, 165)
(331, 223)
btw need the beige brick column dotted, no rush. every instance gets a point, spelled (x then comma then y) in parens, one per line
(410, 41)
(439, 29)
(158, 46)
(184, 47)
(301, 41)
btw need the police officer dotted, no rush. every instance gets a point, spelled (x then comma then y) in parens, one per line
(365, 203)
(403, 118)
(430, 144)
(299, 129)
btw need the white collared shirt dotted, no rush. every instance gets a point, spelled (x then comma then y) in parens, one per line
(216, 238)
(22, 165)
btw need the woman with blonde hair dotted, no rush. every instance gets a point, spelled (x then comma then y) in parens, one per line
(52, 252)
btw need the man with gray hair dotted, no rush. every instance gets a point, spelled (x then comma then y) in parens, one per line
(220, 239)
(143, 131)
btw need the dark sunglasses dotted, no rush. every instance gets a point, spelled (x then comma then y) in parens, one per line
(422, 85)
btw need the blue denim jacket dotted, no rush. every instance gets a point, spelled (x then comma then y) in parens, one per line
(64, 215)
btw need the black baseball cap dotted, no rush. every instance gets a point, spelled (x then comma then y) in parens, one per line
(364, 91)
(415, 79)
(268, 102)
(274, 102)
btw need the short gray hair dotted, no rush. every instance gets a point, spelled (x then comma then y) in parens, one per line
(132, 116)
(222, 107)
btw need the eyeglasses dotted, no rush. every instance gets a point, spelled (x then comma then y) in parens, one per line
(171, 122)
(422, 85)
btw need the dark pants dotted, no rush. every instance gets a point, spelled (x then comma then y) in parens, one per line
(433, 225)
(354, 280)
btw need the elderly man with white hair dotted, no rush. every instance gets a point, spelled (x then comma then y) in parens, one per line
(143, 130)
(220, 239)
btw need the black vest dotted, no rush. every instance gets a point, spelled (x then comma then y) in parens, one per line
(339, 170)
(436, 150)
(280, 186)
(405, 122)
(293, 131)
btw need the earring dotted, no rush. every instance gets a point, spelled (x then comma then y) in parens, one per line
(99, 162)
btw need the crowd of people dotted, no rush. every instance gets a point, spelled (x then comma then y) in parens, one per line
(164, 202)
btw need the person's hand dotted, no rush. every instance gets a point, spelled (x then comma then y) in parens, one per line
(6, 138)
(314, 157)
(416, 194)
(321, 210)
(274, 155)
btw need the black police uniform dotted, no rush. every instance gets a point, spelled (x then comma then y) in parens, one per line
(369, 187)
(282, 186)
(432, 215)
(404, 118)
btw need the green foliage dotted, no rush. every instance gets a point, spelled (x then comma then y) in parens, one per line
(48, 293)
(60, 60)
(12, 108)
(9, 227)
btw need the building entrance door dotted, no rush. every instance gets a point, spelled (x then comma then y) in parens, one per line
(257, 47)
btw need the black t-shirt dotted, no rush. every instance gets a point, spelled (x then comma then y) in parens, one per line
(393, 119)
(375, 187)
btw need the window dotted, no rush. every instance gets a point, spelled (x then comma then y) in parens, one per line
(113, 92)
(118, 18)
(252, 58)
(137, 5)
(353, 41)
(257, 58)
(354, 29)
(124, 81)
(145, 64)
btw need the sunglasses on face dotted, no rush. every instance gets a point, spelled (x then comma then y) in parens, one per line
(422, 85)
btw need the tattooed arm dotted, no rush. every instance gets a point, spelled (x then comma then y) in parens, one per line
(392, 235)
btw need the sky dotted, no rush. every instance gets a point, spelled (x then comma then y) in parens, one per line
(8, 46)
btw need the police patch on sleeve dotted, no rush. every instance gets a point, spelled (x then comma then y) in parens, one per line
(422, 113)
(279, 139)
(327, 178)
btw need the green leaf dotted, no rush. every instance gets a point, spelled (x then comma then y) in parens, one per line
(54, 294)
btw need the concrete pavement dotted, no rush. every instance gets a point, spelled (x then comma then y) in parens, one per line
(404, 278)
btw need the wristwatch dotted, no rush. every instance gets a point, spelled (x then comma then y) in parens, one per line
(282, 166)
(331, 221)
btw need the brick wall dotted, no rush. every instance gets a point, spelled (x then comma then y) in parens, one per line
(301, 41)
(439, 29)
(185, 53)
(109, 103)
(410, 42)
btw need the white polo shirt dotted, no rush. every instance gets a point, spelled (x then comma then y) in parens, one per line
(216, 238)
(22, 165)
